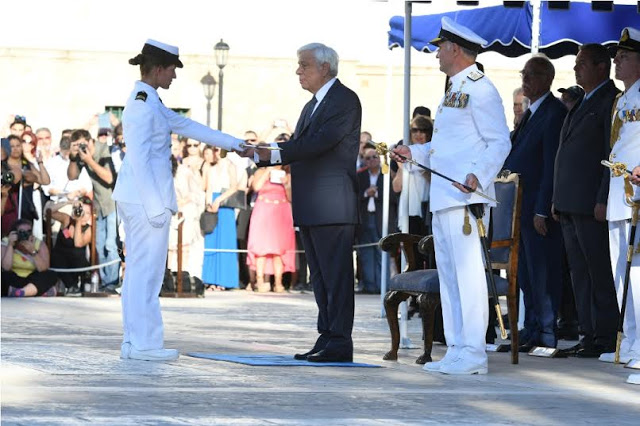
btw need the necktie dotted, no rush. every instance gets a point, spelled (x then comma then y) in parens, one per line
(309, 110)
(523, 122)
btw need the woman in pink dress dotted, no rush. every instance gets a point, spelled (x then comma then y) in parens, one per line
(272, 243)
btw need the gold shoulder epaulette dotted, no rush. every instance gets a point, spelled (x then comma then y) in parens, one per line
(475, 75)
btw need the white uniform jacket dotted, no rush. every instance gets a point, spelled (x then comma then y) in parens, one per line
(470, 135)
(626, 149)
(145, 176)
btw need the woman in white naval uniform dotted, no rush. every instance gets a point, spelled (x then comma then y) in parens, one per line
(146, 198)
(625, 148)
(470, 143)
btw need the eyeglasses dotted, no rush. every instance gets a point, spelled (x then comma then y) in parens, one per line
(418, 130)
(193, 145)
(529, 74)
(21, 118)
(371, 157)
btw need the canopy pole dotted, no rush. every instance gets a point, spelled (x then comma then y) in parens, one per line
(386, 179)
(535, 26)
(405, 342)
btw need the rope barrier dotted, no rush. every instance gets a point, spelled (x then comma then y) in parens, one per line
(87, 268)
(214, 250)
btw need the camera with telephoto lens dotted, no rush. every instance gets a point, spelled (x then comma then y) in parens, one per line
(23, 235)
(78, 211)
(8, 177)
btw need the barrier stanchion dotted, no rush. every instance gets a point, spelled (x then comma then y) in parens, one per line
(179, 284)
(93, 260)
(47, 226)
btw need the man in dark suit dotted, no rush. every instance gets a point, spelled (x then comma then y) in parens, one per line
(371, 201)
(580, 193)
(322, 153)
(535, 143)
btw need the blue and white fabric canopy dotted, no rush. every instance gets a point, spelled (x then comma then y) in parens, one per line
(509, 30)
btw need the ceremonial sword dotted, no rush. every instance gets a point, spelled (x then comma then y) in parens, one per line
(382, 149)
(620, 169)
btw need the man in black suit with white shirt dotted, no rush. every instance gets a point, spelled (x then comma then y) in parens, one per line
(322, 152)
(580, 190)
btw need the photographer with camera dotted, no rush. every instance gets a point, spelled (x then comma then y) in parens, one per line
(94, 156)
(70, 250)
(25, 263)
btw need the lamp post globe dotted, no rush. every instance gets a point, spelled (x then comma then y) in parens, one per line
(222, 52)
(209, 87)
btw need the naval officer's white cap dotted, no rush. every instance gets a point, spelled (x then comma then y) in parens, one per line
(167, 52)
(629, 40)
(458, 34)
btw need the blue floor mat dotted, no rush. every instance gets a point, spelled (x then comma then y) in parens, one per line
(276, 360)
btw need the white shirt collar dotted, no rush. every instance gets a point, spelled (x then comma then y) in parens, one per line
(588, 95)
(320, 94)
(534, 106)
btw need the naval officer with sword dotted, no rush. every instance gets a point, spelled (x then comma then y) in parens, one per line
(470, 143)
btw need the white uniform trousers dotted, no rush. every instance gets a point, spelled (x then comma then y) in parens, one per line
(463, 284)
(146, 257)
(619, 231)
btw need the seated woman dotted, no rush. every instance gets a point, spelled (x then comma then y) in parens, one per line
(70, 249)
(25, 263)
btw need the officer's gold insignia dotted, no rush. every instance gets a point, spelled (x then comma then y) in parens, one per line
(475, 76)
(141, 96)
(625, 35)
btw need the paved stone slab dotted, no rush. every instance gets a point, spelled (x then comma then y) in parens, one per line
(60, 365)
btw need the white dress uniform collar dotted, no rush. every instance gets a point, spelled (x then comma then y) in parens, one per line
(152, 94)
(458, 79)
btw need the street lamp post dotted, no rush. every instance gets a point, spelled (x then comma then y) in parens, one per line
(209, 87)
(222, 50)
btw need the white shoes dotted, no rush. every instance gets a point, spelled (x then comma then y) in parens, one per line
(448, 358)
(634, 379)
(462, 367)
(129, 352)
(433, 366)
(625, 357)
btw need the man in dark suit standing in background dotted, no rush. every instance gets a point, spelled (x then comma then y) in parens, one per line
(371, 200)
(322, 153)
(535, 143)
(580, 193)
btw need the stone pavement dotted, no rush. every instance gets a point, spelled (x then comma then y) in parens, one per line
(60, 365)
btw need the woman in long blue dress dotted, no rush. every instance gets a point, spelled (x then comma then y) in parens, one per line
(220, 269)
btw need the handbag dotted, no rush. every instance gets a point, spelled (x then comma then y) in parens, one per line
(237, 200)
(208, 222)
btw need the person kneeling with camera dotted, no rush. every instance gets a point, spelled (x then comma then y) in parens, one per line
(70, 249)
(25, 263)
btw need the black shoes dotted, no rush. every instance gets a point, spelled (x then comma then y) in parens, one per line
(302, 357)
(594, 351)
(330, 356)
(567, 334)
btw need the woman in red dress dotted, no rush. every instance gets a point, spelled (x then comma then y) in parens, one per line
(272, 243)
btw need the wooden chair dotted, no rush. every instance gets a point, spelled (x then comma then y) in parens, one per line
(424, 283)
